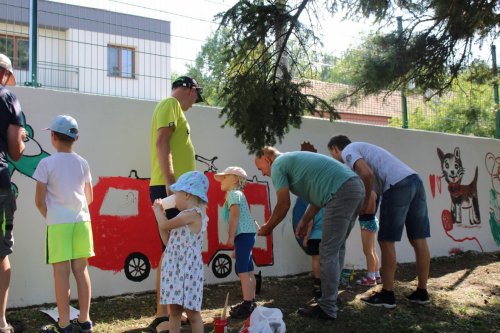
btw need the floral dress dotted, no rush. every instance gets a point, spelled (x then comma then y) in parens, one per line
(182, 266)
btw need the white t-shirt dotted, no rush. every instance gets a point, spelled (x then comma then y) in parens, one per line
(65, 175)
(387, 168)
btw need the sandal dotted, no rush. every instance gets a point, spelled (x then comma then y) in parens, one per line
(7, 329)
(156, 322)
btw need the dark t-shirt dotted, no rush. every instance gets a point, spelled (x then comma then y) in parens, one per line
(10, 113)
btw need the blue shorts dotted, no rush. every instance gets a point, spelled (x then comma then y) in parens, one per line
(7, 209)
(404, 204)
(243, 245)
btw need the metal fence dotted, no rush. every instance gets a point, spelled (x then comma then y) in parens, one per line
(129, 51)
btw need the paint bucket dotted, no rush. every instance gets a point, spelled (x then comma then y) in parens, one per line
(168, 202)
(220, 325)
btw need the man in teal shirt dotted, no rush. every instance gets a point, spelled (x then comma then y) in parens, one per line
(323, 182)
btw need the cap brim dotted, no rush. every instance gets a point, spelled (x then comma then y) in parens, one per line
(200, 98)
(217, 176)
(12, 80)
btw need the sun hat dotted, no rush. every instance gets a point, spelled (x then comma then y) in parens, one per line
(192, 182)
(6, 64)
(232, 170)
(189, 82)
(64, 124)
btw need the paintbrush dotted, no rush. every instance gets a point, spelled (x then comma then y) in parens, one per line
(223, 317)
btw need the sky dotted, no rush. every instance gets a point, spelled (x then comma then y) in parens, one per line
(192, 22)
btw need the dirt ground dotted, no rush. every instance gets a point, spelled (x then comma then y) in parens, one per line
(464, 291)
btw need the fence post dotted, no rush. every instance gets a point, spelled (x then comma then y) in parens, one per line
(404, 105)
(495, 90)
(33, 40)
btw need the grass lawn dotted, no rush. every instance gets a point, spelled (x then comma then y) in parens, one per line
(464, 289)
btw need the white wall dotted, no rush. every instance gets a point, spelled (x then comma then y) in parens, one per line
(115, 139)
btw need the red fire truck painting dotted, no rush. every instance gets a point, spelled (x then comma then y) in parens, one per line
(124, 227)
(126, 233)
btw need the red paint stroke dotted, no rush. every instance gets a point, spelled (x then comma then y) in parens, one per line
(432, 181)
(447, 221)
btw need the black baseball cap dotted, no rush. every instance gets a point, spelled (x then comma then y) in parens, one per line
(189, 82)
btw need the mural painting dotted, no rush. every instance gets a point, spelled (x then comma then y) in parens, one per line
(126, 234)
(32, 155)
(462, 222)
(492, 163)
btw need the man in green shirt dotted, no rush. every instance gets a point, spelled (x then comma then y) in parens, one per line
(323, 182)
(172, 154)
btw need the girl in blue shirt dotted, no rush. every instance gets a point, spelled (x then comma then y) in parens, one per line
(242, 232)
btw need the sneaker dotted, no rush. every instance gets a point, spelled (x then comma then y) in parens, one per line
(366, 281)
(383, 298)
(419, 296)
(378, 279)
(315, 312)
(55, 328)
(243, 310)
(85, 327)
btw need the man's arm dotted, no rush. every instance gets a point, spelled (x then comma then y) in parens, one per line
(163, 137)
(306, 222)
(366, 174)
(15, 139)
(279, 212)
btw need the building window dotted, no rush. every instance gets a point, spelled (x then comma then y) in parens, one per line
(121, 61)
(17, 49)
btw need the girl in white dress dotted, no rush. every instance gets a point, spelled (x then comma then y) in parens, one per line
(182, 265)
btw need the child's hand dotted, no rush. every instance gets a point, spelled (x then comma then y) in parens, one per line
(157, 204)
(230, 243)
(158, 210)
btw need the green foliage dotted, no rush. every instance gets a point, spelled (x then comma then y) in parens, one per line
(467, 108)
(210, 67)
(261, 99)
(269, 42)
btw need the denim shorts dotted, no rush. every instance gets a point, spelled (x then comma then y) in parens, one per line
(7, 209)
(243, 245)
(404, 204)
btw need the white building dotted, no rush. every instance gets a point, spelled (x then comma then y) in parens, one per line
(89, 50)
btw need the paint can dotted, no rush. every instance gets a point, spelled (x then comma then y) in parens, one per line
(220, 325)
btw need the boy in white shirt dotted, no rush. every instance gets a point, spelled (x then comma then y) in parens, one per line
(63, 193)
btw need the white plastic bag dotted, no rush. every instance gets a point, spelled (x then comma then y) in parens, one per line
(264, 320)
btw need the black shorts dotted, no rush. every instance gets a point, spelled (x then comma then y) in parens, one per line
(7, 209)
(313, 247)
(159, 192)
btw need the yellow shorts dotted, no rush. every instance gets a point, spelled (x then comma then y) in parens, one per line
(68, 241)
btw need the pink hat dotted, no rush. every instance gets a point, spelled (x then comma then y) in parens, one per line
(232, 170)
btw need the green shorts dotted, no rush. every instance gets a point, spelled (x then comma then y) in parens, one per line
(68, 241)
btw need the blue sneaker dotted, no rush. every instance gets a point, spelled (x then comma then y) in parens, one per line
(55, 328)
(85, 327)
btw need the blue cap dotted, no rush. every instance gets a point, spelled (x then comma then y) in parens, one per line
(66, 125)
(192, 182)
